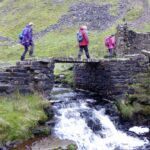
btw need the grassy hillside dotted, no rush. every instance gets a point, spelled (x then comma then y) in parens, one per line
(15, 14)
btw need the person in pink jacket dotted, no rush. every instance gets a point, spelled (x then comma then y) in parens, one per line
(110, 43)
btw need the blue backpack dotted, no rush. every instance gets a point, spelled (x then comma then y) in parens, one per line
(21, 35)
(80, 36)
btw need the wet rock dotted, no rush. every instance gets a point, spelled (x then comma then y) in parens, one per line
(51, 143)
(41, 131)
(94, 124)
(85, 113)
(3, 148)
(50, 112)
(111, 110)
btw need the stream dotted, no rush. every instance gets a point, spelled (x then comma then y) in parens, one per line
(82, 118)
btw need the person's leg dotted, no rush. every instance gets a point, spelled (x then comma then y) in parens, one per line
(80, 52)
(31, 49)
(110, 52)
(86, 52)
(24, 53)
(113, 52)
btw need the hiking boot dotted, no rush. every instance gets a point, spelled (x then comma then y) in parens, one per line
(88, 60)
(22, 58)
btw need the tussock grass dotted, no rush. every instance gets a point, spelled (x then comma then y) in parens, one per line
(126, 110)
(19, 115)
(139, 102)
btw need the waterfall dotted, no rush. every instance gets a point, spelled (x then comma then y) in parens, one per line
(89, 128)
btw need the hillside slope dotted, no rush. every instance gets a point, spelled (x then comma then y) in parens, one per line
(57, 21)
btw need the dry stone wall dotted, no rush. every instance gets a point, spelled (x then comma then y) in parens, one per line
(130, 42)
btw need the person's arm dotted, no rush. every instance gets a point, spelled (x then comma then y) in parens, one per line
(30, 35)
(113, 41)
(86, 37)
(25, 36)
(106, 43)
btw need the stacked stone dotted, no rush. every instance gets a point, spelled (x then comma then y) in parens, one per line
(122, 42)
(111, 79)
(27, 77)
(130, 42)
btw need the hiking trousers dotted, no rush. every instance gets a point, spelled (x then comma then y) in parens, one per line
(26, 48)
(81, 51)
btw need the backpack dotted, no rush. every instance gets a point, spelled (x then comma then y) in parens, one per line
(107, 42)
(21, 35)
(80, 36)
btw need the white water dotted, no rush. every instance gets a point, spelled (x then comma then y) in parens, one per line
(72, 126)
(139, 130)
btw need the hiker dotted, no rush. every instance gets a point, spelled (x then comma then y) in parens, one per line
(83, 40)
(26, 40)
(110, 43)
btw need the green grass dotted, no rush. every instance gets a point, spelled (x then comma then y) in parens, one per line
(19, 115)
(139, 102)
(135, 11)
(64, 44)
(44, 13)
(146, 28)
(127, 110)
(15, 15)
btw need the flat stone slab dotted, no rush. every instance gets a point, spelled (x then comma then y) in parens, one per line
(68, 60)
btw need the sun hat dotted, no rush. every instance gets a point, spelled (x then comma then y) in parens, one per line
(31, 23)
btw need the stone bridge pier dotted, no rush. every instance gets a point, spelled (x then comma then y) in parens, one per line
(28, 77)
(111, 78)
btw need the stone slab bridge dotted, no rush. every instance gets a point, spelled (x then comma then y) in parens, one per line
(110, 78)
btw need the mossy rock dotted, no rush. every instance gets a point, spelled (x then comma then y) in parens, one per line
(71, 147)
(59, 148)
(41, 131)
